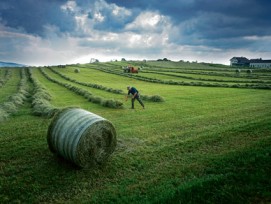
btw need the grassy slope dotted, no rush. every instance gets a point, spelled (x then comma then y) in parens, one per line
(201, 145)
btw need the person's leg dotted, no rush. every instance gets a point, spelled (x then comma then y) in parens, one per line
(133, 103)
(140, 101)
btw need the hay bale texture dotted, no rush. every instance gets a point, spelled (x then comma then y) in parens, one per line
(81, 137)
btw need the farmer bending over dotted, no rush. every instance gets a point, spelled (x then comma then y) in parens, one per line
(135, 93)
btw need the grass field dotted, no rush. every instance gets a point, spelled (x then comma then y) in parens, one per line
(201, 145)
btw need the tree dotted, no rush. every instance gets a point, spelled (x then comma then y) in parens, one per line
(93, 60)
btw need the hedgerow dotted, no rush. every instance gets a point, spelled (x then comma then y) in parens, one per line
(89, 96)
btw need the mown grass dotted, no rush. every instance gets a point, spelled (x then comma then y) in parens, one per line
(210, 77)
(11, 85)
(202, 145)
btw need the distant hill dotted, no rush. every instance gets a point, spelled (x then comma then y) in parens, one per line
(10, 64)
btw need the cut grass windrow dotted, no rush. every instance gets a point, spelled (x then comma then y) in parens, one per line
(41, 99)
(204, 145)
(5, 77)
(203, 79)
(219, 73)
(92, 85)
(171, 82)
(14, 101)
(153, 98)
(111, 103)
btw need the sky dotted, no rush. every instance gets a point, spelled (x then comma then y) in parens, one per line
(52, 32)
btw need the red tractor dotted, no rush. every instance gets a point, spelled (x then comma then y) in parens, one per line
(130, 69)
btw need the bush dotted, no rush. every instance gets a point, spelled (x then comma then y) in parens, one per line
(77, 70)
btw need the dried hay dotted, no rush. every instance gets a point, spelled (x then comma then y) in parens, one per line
(81, 137)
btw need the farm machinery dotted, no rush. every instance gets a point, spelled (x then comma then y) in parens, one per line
(130, 69)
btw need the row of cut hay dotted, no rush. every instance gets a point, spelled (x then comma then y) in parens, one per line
(232, 73)
(110, 103)
(5, 77)
(209, 80)
(92, 85)
(14, 101)
(181, 83)
(152, 98)
(41, 98)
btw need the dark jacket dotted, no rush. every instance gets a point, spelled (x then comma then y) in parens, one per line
(132, 91)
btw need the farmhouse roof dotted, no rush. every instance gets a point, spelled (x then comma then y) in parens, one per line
(240, 58)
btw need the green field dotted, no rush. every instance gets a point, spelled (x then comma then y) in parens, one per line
(207, 142)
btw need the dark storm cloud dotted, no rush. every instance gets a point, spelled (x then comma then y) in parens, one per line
(32, 16)
(206, 21)
(192, 29)
(111, 21)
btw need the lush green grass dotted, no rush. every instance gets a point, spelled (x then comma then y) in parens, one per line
(202, 145)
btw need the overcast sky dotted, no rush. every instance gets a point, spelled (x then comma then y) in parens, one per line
(47, 32)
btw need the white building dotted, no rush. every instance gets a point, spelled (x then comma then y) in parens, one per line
(239, 61)
(259, 63)
(253, 63)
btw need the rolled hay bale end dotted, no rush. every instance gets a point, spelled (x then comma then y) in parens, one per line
(81, 137)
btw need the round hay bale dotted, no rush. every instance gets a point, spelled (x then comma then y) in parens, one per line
(81, 137)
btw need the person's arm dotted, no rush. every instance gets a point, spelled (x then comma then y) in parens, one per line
(127, 95)
(135, 95)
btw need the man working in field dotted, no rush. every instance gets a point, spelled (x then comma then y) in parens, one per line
(135, 95)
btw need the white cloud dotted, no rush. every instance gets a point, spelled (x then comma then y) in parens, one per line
(149, 21)
(120, 11)
(257, 38)
(70, 6)
(98, 17)
(103, 32)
